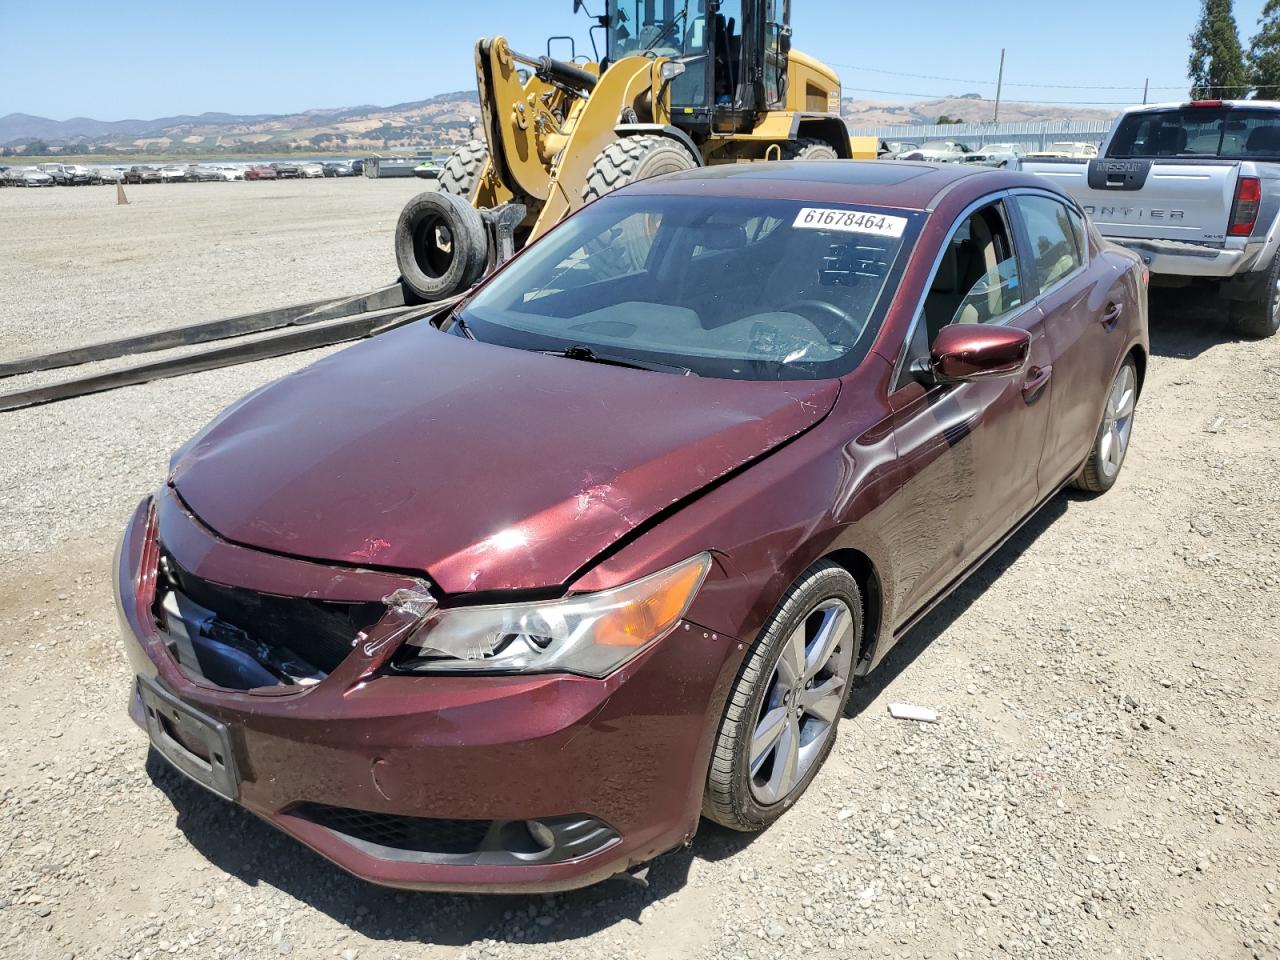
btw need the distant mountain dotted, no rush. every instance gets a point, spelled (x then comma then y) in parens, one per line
(970, 109)
(440, 121)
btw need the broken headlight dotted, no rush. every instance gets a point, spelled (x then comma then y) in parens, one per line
(590, 634)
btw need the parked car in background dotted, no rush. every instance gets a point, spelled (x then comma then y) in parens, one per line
(109, 174)
(310, 170)
(32, 177)
(1194, 189)
(893, 149)
(997, 155)
(173, 173)
(1066, 151)
(938, 151)
(286, 171)
(78, 174)
(637, 626)
(202, 173)
(357, 168)
(338, 168)
(142, 174)
(55, 172)
(229, 172)
(260, 172)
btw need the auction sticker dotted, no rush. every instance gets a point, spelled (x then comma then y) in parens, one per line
(850, 221)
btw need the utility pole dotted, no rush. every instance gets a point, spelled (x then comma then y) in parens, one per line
(999, 87)
(1146, 85)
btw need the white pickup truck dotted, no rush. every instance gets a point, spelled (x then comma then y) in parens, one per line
(1194, 189)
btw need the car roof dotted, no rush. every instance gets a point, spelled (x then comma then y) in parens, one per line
(910, 185)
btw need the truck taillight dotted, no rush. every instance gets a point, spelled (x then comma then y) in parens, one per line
(1244, 213)
(1207, 104)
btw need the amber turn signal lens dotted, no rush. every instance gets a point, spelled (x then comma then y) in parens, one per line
(638, 621)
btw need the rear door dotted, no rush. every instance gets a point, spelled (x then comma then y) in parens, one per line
(969, 453)
(1082, 301)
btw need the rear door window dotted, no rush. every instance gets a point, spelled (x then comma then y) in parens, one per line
(1055, 249)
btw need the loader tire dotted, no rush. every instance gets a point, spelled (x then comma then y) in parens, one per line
(463, 168)
(442, 247)
(632, 159)
(809, 149)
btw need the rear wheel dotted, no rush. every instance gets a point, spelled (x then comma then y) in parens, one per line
(1259, 317)
(1112, 440)
(780, 721)
(809, 149)
(632, 159)
(462, 170)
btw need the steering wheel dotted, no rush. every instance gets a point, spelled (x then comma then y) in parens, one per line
(822, 313)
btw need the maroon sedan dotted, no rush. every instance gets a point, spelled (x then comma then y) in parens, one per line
(510, 598)
(260, 172)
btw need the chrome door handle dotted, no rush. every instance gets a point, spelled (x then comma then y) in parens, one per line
(1037, 380)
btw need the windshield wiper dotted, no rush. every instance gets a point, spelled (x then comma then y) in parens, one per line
(464, 328)
(580, 352)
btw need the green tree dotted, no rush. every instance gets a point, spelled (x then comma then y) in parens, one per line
(1264, 54)
(945, 120)
(1216, 67)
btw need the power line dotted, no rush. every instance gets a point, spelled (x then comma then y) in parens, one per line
(1044, 86)
(980, 99)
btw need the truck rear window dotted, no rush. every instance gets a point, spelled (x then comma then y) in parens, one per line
(1227, 132)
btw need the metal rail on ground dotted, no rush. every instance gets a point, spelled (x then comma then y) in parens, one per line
(320, 324)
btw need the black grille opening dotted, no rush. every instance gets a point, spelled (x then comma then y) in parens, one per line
(417, 834)
(319, 632)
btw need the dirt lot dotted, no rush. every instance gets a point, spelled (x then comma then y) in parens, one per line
(1104, 781)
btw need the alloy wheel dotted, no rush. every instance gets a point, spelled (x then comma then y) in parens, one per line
(1117, 424)
(802, 703)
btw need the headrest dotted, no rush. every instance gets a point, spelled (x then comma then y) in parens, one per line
(1169, 140)
(947, 279)
(1264, 140)
(721, 236)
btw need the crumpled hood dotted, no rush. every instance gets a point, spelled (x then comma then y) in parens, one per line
(486, 468)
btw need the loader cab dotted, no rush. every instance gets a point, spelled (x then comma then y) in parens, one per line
(734, 55)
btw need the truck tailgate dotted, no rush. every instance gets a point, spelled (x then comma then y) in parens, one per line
(1187, 200)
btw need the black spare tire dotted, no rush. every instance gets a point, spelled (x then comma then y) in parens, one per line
(441, 245)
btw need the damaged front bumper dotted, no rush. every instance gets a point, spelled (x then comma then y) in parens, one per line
(463, 783)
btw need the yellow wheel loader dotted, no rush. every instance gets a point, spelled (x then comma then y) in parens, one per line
(681, 84)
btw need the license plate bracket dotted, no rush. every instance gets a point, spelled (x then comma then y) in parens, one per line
(193, 742)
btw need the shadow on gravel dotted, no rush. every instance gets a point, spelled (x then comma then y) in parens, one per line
(1186, 323)
(240, 844)
(946, 613)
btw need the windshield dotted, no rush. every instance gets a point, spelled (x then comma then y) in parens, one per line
(1243, 134)
(636, 26)
(743, 289)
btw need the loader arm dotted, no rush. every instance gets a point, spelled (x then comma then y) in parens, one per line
(590, 128)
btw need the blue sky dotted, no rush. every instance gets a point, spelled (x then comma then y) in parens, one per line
(102, 60)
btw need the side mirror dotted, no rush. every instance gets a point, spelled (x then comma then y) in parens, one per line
(968, 352)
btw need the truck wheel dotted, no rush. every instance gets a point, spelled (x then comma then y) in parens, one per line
(809, 149)
(781, 717)
(441, 245)
(462, 170)
(632, 159)
(1259, 317)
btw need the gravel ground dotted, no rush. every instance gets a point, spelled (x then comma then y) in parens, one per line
(76, 268)
(1104, 779)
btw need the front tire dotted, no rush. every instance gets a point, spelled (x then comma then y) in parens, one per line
(461, 173)
(633, 159)
(781, 717)
(1112, 440)
(1259, 317)
(809, 149)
